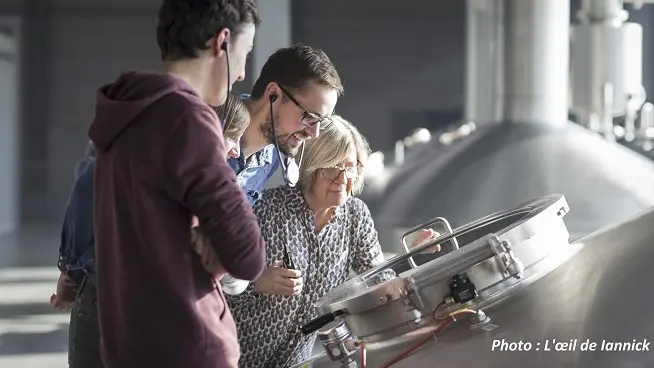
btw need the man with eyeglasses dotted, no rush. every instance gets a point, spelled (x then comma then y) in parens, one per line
(304, 86)
(294, 97)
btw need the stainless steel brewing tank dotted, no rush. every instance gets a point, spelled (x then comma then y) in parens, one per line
(603, 53)
(500, 165)
(592, 291)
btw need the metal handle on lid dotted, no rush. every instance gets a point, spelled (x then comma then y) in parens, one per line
(413, 230)
(401, 257)
(524, 209)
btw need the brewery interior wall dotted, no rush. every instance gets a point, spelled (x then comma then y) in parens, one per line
(402, 64)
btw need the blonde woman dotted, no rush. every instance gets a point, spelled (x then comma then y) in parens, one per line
(236, 117)
(316, 234)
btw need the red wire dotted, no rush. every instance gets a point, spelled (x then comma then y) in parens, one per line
(409, 350)
(443, 322)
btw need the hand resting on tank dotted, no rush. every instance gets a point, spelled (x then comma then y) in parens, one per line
(424, 236)
(278, 280)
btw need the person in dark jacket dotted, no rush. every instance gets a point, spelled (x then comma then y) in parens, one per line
(76, 286)
(78, 277)
(89, 156)
(161, 160)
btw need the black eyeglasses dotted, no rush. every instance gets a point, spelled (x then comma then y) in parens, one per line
(331, 173)
(308, 118)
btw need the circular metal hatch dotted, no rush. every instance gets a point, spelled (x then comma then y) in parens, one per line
(494, 254)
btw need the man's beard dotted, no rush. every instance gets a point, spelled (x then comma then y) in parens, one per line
(266, 130)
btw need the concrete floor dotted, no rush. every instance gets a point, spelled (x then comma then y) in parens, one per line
(32, 334)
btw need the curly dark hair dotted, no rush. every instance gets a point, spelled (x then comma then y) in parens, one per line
(186, 26)
(295, 67)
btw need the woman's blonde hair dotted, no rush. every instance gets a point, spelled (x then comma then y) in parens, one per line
(330, 149)
(235, 115)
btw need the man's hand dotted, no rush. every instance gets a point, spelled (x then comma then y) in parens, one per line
(425, 236)
(64, 298)
(278, 280)
(208, 257)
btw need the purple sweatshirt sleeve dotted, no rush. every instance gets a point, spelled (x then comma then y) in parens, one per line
(198, 176)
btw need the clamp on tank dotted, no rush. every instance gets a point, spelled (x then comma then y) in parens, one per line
(502, 250)
(339, 343)
(412, 301)
(479, 320)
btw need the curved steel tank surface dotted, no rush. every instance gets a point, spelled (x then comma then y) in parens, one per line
(515, 293)
(499, 165)
(517, 81)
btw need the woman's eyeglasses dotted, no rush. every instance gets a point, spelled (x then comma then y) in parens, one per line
(331, 173)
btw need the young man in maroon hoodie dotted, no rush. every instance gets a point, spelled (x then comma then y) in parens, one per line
(160, 159)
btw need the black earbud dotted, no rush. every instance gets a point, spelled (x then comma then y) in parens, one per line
(273, 98)
(224, 45)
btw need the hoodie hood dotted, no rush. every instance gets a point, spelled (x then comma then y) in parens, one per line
(120, 103)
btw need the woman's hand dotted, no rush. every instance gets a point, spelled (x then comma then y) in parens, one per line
(278, 280)
(208, 257)
(425, 236)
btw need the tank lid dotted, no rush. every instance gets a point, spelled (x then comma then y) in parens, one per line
(495, 253)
